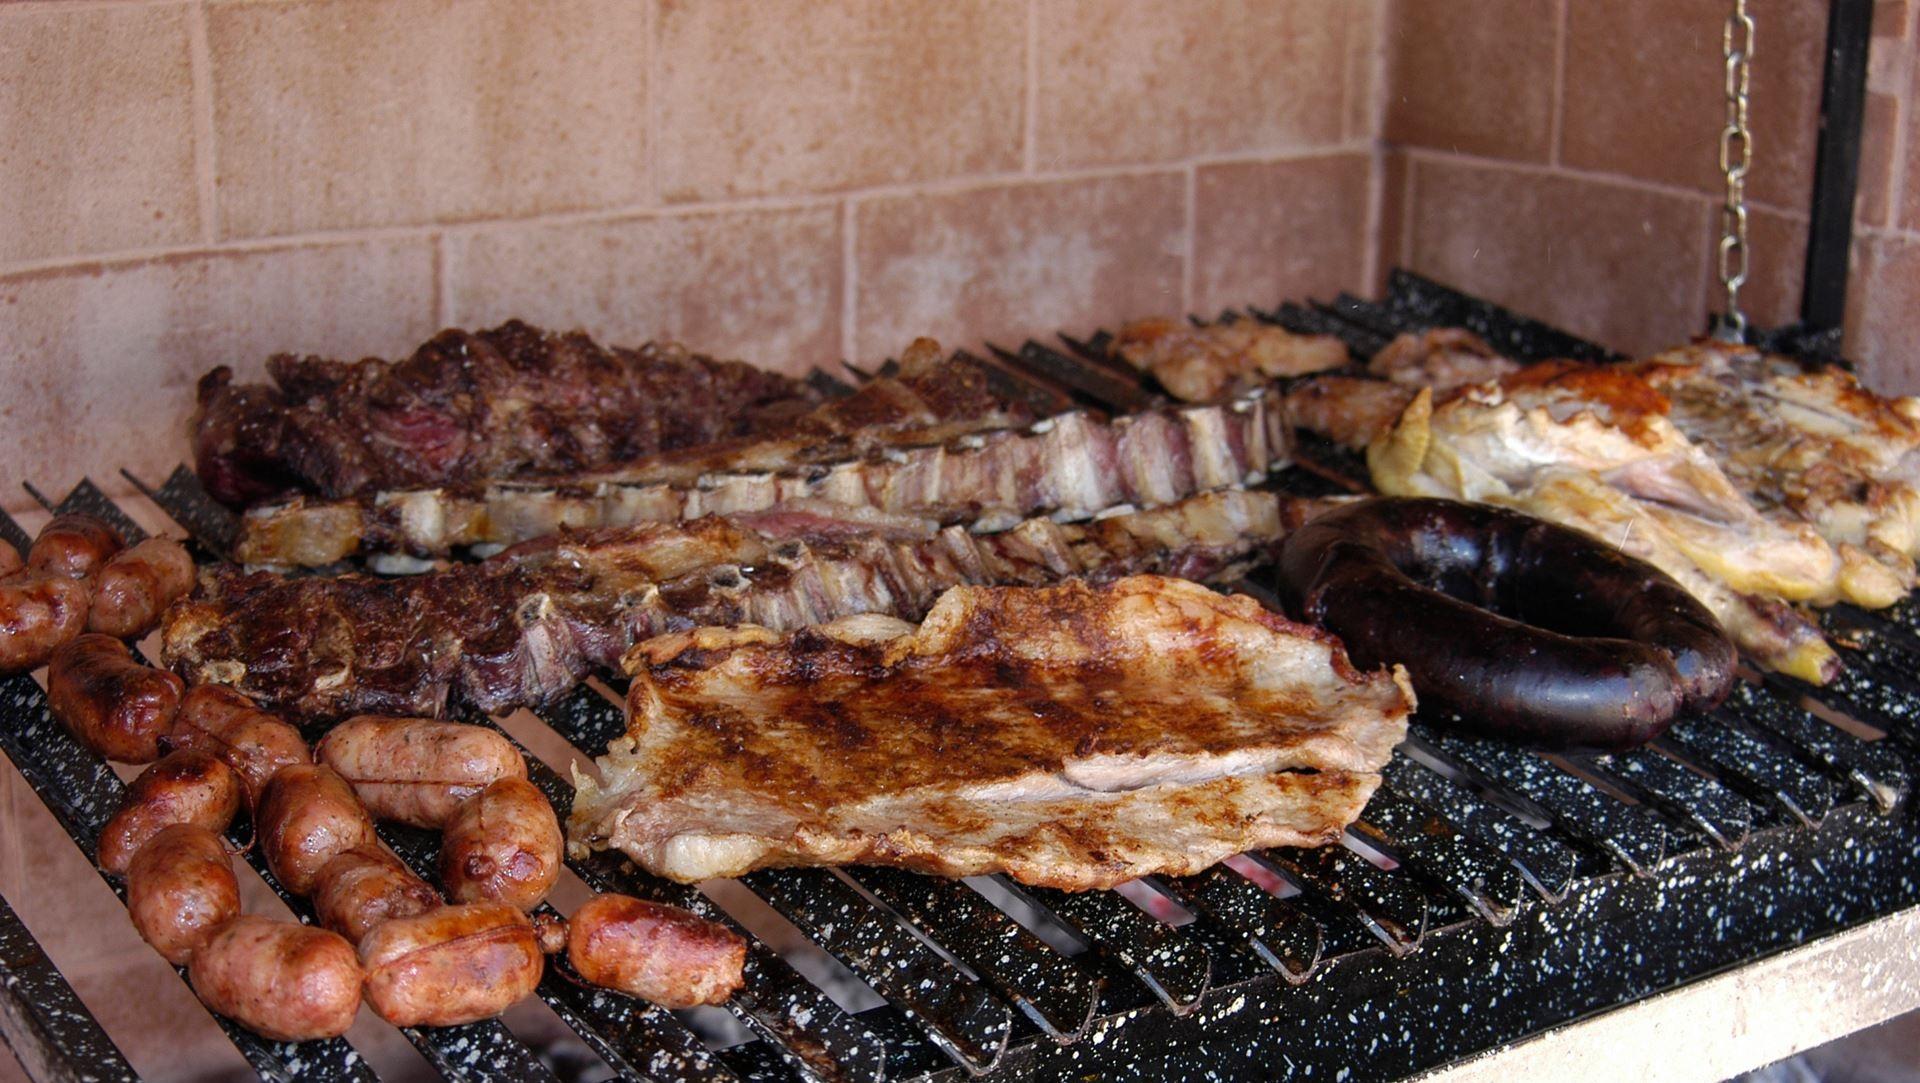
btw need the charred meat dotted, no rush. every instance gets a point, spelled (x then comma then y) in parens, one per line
(1071, 736)
(468, 406)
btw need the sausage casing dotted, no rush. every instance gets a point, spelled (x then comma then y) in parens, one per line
(10, 559)
(457, 964)
(40, 612)
(137, 585)
(284, 981)
(113, 704)
(217, 719)
(362, 889)
(502, 845)
(180, 888)
(416, 770)
(659, 953)
(76, 546)
(184, 787)
(308, 816)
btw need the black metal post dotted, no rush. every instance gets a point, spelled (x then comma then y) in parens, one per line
(1836, 171)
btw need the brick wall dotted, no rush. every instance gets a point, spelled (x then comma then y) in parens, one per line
(188, 184)
(1560, 156)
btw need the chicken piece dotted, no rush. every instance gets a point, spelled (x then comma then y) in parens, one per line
(1214, 361)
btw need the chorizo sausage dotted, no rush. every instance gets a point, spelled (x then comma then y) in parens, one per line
(416, 770)
(217, 719)
(307, 817)
(362, 889)
(40, 612)
(1529, 630)
(184, 787)
(137, 585)
(180, 888)
(281, 980)
(457, 964)
(113, 704)
(75, 546)
(502, 845)
(660, 953)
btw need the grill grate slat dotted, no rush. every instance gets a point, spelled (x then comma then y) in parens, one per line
(1547, 864)
(960, 1014)
(1096, 382)
(1748, 763)
(1631, 837)
(1429, 847)
(1700, 804)
(1049, 987)
(52, 1033)
(1393, 909)
(1874, 771)
(1173, 964)
(1282, 934)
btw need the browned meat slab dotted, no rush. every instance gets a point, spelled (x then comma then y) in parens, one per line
(468, 406)
(522, 628)
(1072, 736)
(1210, 362)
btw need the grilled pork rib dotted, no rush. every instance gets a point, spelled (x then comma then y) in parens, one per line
(1069, 736)
(1069, 466)
(471, 406)
(525, 626)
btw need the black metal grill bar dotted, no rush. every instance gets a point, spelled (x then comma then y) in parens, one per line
(1548, 864)
(1416, 302)
(1699, 804)
(1096, 382)
(1391, 907)
(1872, 770)
(1435, 851)
(1173, 964)
(54, 1036)
(1050, 988)
(1279, 932)
(1753, 766)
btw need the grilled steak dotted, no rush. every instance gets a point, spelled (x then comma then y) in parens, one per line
(1070, 736)
(1070, 466)
(469, 406)
(525, 626)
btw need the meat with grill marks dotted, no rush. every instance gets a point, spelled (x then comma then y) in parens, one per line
(525, 626)
(469, 406)
(961, 463)
(1073, 736)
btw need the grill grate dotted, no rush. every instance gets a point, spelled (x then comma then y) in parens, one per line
(1592, 880)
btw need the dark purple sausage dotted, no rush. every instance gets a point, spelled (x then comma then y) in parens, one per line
(1595, 650)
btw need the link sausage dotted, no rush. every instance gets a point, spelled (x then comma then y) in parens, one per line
(457, 964)
(180, 888)
(184, 787)
(502, 845)
(362, 889)
(40, 612)
(216, 719)
(1529, 630)
(113, 704)
(307, 817)
(659, 953)
(287, 982)
(416, 770)
(137, 585)
(10, 560)
(75, 546)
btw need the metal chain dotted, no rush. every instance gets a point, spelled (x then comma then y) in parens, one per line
(1736, 153)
